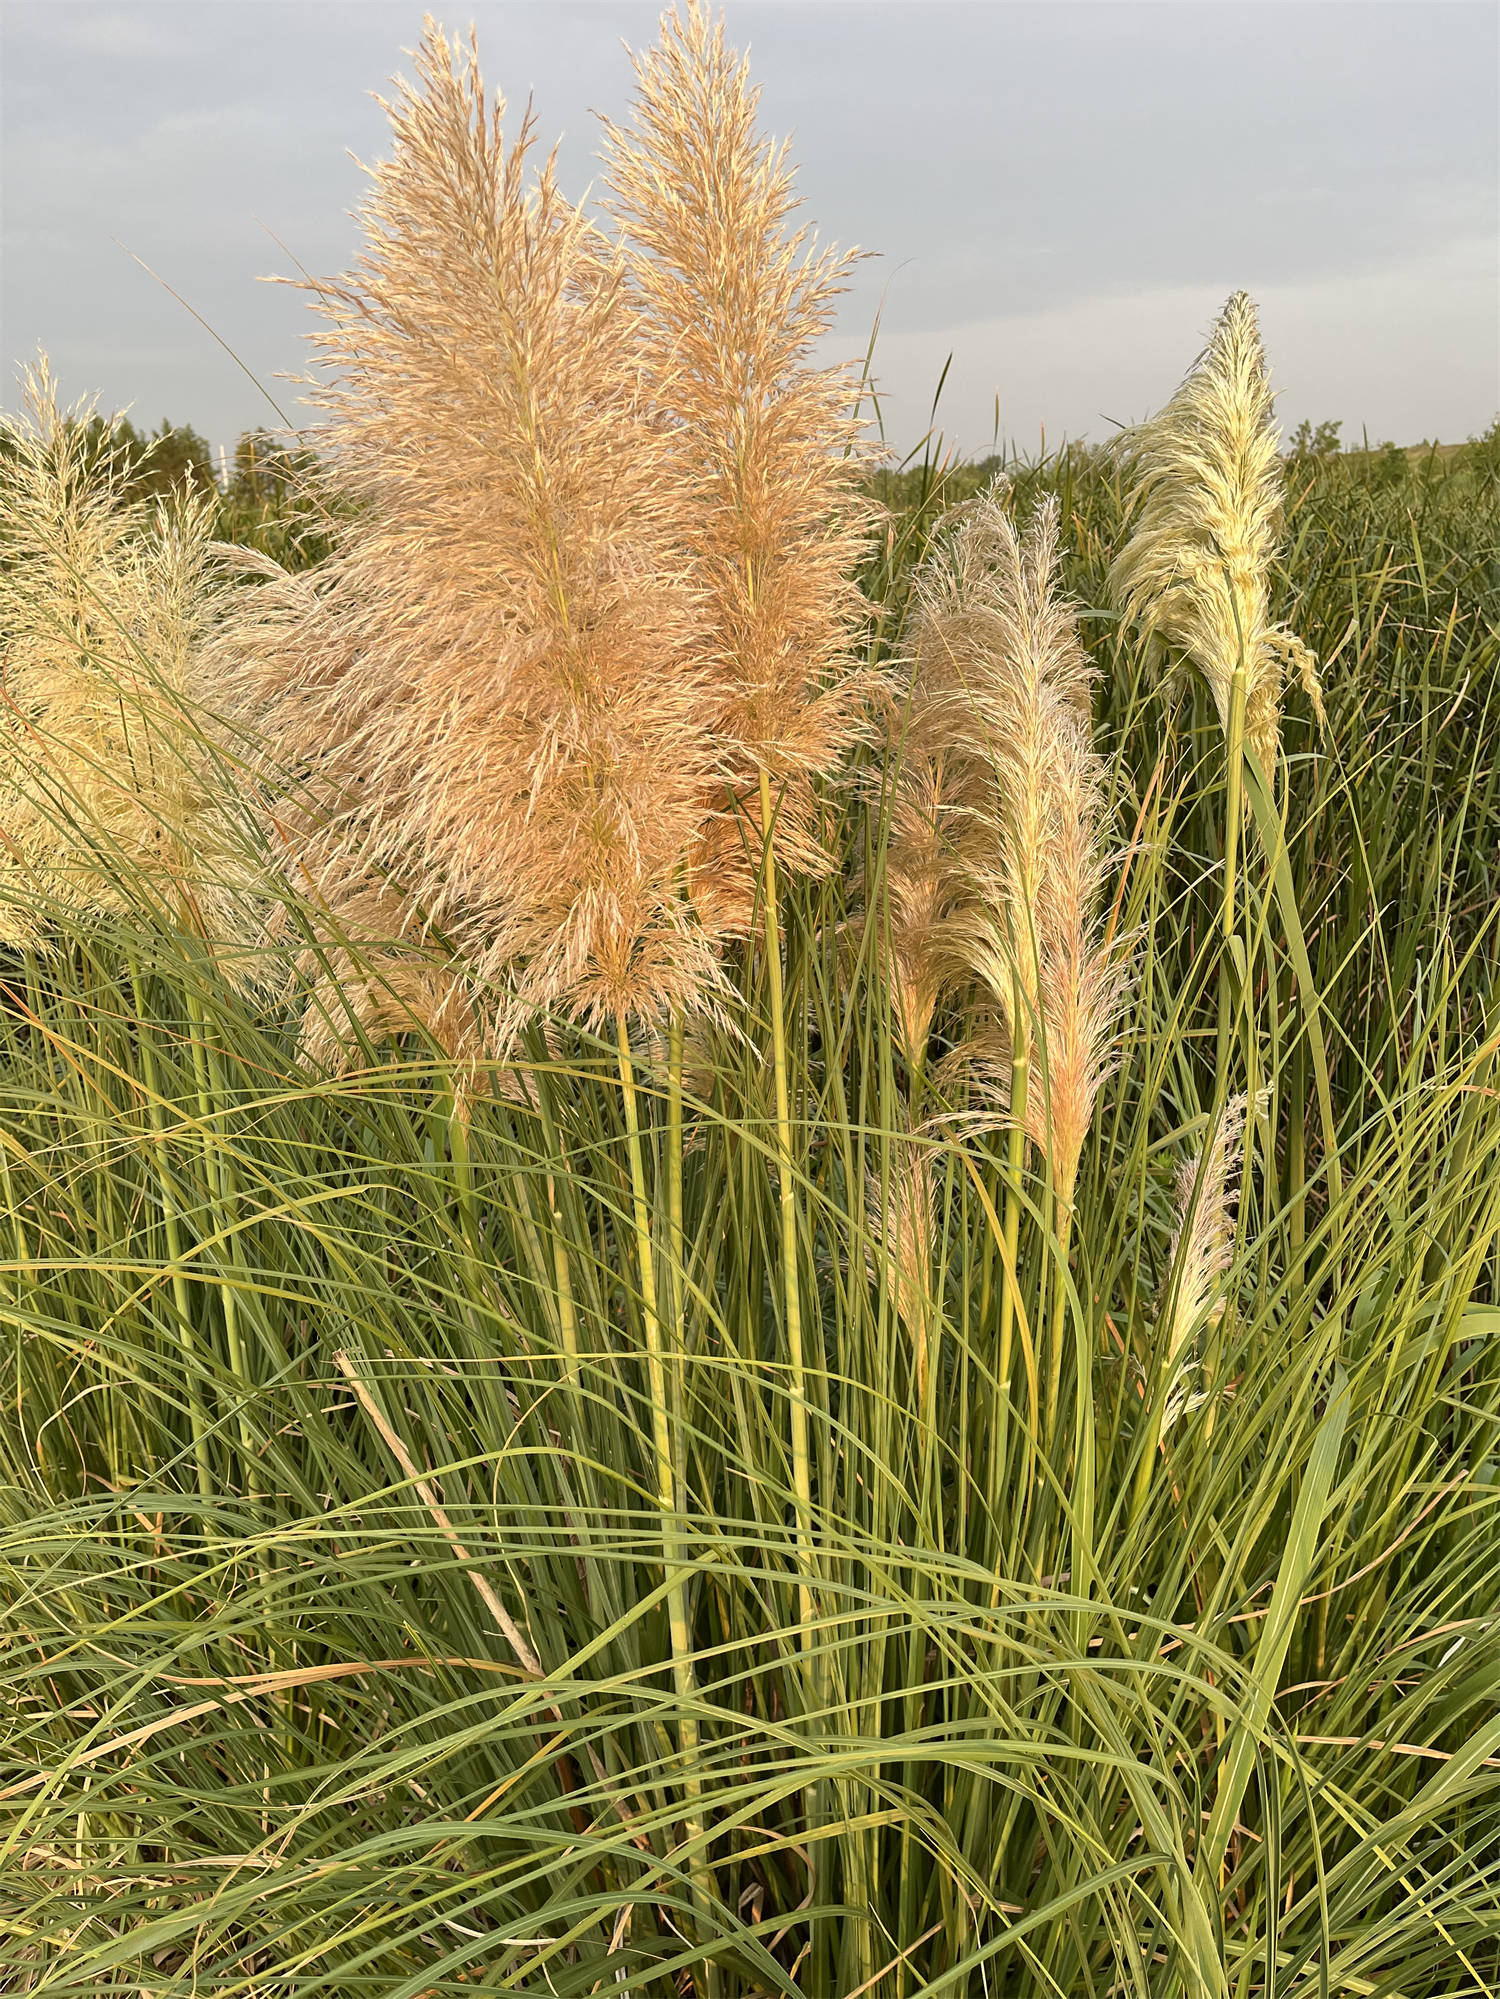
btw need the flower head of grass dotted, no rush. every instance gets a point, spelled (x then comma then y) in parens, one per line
(1196, 571)
(499, 688)
(763, 444)
(114, 771)
(1203, 1241)
(902, 1224)
(1002, 693)
(1202, 1247)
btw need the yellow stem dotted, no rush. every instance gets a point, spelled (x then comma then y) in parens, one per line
(1020, 1086)
(792, 1292)
(561, 1269)
(666, 1480)
(1233, 813)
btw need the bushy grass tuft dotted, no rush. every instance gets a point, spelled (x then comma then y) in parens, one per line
(338, 1585)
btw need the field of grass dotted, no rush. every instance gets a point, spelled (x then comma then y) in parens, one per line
(335, 1651)
(506, 1489)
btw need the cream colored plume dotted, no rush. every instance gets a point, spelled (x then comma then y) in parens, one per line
(1006, 796)
(1195, 572)
(732, 304)
(1202, 1246)
(902, 1226)
(115, 776)
(924, 886)
(500, 693)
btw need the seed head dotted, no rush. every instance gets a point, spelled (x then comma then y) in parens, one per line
(764, 445)
(1203, 1241)
(1195, 572)
(901, 1221)
(498, 693)
(115, 771)
(1001, 704)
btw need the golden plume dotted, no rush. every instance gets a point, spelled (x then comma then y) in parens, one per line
(497, 689)
(1195, 572)
(924, 885)
(901, 1220)
(114, 772)
(731, 306)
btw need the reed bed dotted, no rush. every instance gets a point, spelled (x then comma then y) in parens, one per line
(817, 1368)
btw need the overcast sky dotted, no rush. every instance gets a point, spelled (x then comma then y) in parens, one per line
(1060, 195)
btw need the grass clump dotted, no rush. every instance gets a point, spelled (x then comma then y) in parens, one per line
(113, 760)
(701, 1395)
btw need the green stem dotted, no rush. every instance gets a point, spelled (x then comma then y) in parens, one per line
(1233, 814)
(801, 1460)
(1057, 1329)
(1149, 1454)
(562, 1274)
(1015, 1182)
(170, 1209)
(221, 1184)
(1296, 1153)
(666, 1481)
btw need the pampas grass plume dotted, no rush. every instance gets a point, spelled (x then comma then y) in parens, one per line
(499, 686)
(1202, 1243)
(765, 445)
(1195, 572)
(900, 1212)
(113, 766)
(1001, 700)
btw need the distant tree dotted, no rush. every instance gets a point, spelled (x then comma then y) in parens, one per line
(1315, 440)
(1486, 447)
(159, 461)
(265, 472)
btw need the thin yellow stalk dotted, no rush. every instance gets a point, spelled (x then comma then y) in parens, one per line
(666, 1477)
(181, 1296)
(792, 1292)
(1015, 1178)
(1233, 816)
(676, 1271)
(561, 1269)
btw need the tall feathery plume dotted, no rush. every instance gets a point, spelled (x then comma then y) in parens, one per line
(371, 966)
(501, 692)
(113, 788)
(918, 899)
(1195, 572)
(1206, 492)
(939, 800)
(901, 1222)
(730, 306)
(497, 688)
(1198, 1260)
(997, 653)
(1202, 1243)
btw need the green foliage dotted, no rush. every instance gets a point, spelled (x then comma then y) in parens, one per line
(1311, 440)
(1485, 449)
(147, 463)
(336, 1654)
(265, 471)
(279, 500)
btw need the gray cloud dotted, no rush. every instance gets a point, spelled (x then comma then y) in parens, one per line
(1060, 193)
